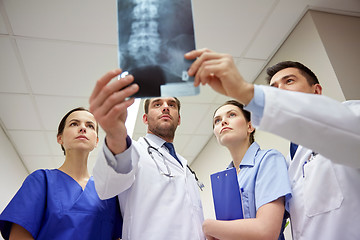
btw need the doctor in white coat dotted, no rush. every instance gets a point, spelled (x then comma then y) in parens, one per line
(158, 195)
(325, 170)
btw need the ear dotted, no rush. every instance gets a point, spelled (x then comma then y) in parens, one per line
(59, 139)
(145, 119)
(250, 128)
(97, 141)
(179, 120)
(318, 89)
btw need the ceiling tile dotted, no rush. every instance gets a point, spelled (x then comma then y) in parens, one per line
(180, 141)
(89, 21)
(234, 32)
(191, 116)
(64, 68)
(30, 142)
(276, 29)
(10, 71)
(17, 111)
(53, 108)
(195, 145)
(250, 68)
(33, 163)
(204, 126)
(206, 95)
(54, 146)
(220, 99)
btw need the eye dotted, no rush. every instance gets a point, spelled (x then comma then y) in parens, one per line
(216, 121)
(91, 126)
(73, 124)
(288, 81)
(232, 114)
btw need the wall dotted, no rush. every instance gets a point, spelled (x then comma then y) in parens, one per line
(341, 37)
(12, 171)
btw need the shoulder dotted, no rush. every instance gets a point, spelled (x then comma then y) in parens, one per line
(353, 105)
(37, 175)
(40, 177)
(42, 174)
(269, 153)
(271, 157)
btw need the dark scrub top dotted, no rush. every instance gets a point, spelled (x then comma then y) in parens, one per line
(52, 205)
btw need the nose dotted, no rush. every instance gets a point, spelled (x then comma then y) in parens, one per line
(82, 129)
(165, 107)
(224, 122)
(281, 86)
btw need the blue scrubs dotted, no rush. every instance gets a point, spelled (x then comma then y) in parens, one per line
(52, 205)
(263, 178)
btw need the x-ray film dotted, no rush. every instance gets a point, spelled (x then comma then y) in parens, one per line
(154, 35)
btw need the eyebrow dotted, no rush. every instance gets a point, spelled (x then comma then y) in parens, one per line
(284, 78)
(156, 100)
(231, 110)
(77, 120)
(160, 99)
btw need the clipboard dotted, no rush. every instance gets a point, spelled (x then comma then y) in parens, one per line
(226, 195)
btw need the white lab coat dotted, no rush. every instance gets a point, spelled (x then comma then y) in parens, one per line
(153, 206)
(326, 189)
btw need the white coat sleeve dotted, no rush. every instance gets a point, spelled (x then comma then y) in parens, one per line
(114, 174)
(317, 122)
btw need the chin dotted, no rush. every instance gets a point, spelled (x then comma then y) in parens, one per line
(227, 139)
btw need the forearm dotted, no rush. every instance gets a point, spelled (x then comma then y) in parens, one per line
(116, 142)
(266, 225)
(114, 174)
(251, 229)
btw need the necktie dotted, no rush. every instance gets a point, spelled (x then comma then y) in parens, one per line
(171, 148)
(293, 147)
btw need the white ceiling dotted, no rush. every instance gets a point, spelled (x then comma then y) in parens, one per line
(52, 53)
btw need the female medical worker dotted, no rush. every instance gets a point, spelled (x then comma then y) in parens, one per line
(62, 203)
(262, 176)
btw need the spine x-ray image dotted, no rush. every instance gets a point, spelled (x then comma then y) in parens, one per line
(154, 35)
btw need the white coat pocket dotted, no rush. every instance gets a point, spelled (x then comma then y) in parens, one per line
(322, 192)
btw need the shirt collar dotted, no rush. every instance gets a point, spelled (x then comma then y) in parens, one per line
(249, 157)
(155, 139)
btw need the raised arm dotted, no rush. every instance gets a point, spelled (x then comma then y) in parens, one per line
(317, 122)
(108, 103)
(327, 126)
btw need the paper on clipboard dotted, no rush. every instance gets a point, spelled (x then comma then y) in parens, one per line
(226, 195)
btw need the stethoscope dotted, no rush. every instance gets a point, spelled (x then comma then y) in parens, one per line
(151, 150)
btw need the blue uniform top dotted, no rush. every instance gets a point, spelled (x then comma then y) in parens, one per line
(263, 178)
(52, 205)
